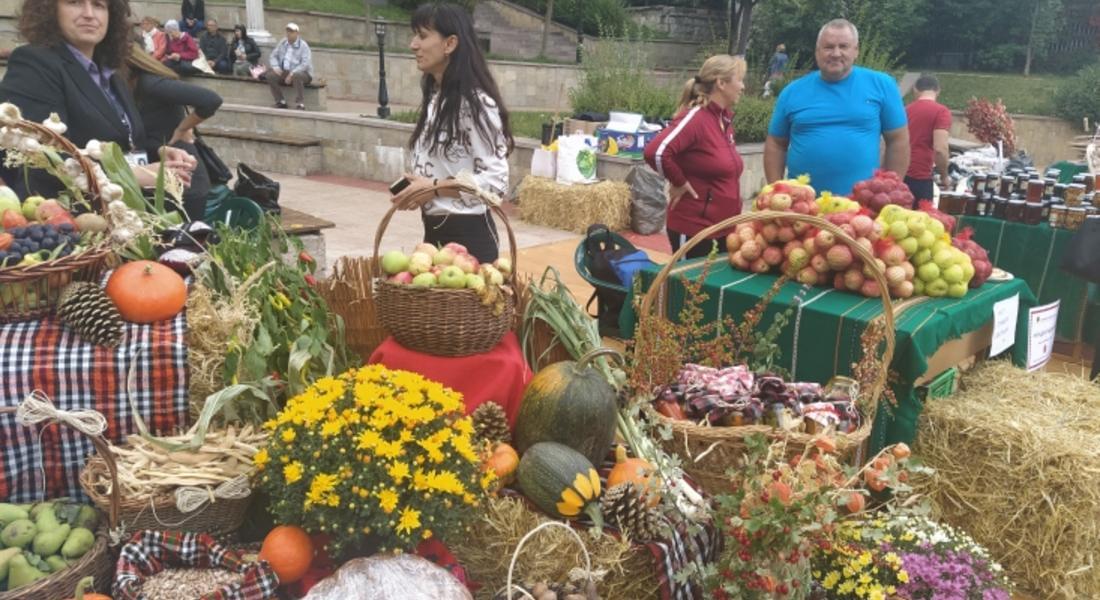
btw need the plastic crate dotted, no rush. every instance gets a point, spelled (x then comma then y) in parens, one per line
(942, 386)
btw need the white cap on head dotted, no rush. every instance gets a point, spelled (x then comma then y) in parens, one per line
(172, 25)
(292, 26)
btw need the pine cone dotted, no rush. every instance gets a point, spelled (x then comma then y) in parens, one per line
(624, 506)
(87, 310)
(491, 424)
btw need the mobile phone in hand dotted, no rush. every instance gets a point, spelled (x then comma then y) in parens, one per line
(398, 186)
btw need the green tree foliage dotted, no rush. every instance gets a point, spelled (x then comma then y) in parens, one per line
(1079, 96)
(617, 77)
(593, 17)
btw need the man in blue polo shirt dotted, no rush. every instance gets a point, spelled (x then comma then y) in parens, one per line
(828, 123)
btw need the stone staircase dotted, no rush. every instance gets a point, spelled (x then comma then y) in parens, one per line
(516, 32)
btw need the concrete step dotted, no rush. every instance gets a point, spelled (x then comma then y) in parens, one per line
(245, 90)
(269, 152)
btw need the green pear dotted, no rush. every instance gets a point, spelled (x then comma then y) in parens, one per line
(11, 512)
(5, 558)
(39, 507)
(21, 573)
(87, 518)
(49, 542)
(56, 563)
(46, 520)
(79, 542)
(18, 534)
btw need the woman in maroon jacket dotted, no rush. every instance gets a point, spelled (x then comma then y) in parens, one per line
(697, 155)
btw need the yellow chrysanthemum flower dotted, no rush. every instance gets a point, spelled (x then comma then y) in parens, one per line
(830, 580)
(387, 500)
(409, 521)
(261, 458)
(292, 472)
(321, 488)
(289, 434)
(398, 471)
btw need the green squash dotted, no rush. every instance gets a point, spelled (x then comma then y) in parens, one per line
(560, 481)
(569, 403)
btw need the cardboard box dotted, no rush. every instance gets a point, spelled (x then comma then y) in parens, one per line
(625, 134)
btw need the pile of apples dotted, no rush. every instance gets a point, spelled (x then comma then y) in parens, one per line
(450, 267)
(34, 209)
(788, 195)
(882, 189)
(983, 267)
(942, 269)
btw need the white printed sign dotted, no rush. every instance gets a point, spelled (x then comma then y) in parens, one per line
(1004, 324)
(1042, 322)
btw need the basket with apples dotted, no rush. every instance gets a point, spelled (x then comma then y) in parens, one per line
(442, 300)
(43, 247)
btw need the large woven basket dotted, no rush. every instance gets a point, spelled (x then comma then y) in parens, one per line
(442, 322)
(31, 292)
(220, 517)
(708, 451)
(97, 562)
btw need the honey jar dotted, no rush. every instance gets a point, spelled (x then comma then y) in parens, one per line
(1075, 193)
(1075, 217)
(1033, 213)
(970, 206)
(1035, 189)
(1000, 206)
(1015, 212)
(1058, 215)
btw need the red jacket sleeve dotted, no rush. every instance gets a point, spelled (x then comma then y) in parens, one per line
(189, 51)
(663, 152)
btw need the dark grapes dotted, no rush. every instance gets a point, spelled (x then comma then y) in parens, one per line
(65, 227)
(18, 232)
(35, 233)
(32, 246)
(14, 257)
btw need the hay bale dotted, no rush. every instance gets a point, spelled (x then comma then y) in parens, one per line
(1017, 460)
(574, 207)
(486, 551)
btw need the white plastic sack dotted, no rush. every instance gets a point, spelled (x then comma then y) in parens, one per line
(401, 577)
(201, 64)
(544, 163)
(576, 159)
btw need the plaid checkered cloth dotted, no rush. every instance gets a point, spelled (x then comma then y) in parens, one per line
(150, 552)
(47, 356)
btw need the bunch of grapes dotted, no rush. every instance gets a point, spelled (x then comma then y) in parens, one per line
(40, 239)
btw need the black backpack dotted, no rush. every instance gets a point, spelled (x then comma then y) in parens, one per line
(600, 248)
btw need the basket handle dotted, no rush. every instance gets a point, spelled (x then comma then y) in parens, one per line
(419, 199)
(102, 448)
(55, 139)
(868, 257)
(519, 547)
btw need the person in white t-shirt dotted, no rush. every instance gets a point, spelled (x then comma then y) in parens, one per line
(463, 127)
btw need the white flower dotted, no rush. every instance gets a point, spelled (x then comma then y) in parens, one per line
(29, 145)
(94, 149)
(54, 124)
(9, 113)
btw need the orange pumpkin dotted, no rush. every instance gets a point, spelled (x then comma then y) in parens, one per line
(146, 292)
(80, 594)
(289, 551)
(633, 470)
(503, 462)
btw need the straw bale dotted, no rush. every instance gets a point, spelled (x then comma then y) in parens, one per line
(213, 323)
(486, 551)
(1017, 460)
(574, 207)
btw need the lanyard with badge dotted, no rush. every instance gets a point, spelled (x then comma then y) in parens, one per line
(135, 157)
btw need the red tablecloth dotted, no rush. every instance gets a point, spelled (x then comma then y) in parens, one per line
(499, 375)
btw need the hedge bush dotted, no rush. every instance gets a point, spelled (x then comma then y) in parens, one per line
(1079, 96)
(751, 117)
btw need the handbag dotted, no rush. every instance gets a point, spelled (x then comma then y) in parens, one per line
(215, 167)
(258, 188)
(1082, 257)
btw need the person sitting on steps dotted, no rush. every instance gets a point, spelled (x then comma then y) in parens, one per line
(215, 49)
(181, 50)
(291, 63)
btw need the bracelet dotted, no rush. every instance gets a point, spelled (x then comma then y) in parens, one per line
(435, 185)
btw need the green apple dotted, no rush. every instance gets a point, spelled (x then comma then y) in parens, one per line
(899, 230)
(8, 204)
(935, 227)
(910, 245)
(890, 213)
(926, 239)
(394, 261)
(956, 290)
(451, 277)
(968, 270)
(953, 274)
(30, 207)
(928, 272)
(918, 287)
(944, 258)
(940, 244)
(475, 282)
(424, 280)
(921, 257)
(937, 288)
(916, 224)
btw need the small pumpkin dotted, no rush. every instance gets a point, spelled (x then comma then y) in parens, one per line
(634, 470)
(560, 481)
(502, 461)
(84, 584)
(570, 403)
(146, 292)
(289, 551)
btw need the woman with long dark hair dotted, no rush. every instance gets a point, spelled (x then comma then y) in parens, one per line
(243, 52)
(462, 127)
(74, 65)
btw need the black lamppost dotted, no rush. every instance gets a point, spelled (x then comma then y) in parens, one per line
(383, 93)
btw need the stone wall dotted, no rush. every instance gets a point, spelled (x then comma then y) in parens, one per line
(660, 54)
(1046, 139)
(377, 150)
(681, 23)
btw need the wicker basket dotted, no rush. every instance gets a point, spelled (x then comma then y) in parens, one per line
(442, 322)
(218, 518)
(31, 292)
(708, 452)
(97, 562)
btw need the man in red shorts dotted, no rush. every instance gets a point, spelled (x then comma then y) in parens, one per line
(929, 124)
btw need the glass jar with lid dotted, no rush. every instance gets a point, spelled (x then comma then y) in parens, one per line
(1058, 215)
(1075, 193)
(1015, 211)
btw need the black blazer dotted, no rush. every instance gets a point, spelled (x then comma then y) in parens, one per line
(162, 101)
(251, 50)
(42, 80)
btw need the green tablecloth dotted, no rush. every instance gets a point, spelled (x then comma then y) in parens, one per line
(822, 338)
(1033, 253)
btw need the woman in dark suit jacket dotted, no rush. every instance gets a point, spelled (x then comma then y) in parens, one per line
(71, 66)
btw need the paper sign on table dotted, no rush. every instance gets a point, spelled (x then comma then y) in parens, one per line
(1004, 324)
(1042, 322)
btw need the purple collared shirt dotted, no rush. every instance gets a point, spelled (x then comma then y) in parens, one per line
(102, 78)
